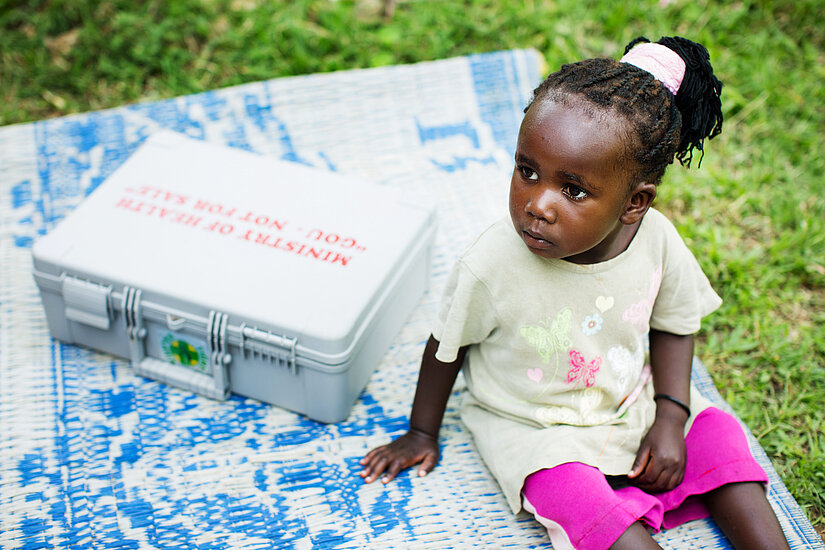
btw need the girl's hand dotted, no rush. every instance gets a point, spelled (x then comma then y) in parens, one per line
(660, 461)
(409, 449)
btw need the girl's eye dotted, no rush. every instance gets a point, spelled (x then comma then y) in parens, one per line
(528, 173)
(575, 192)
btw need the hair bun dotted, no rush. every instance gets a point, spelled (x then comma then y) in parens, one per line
(698, 99)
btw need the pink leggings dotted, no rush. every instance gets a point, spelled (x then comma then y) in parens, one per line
(580, 509)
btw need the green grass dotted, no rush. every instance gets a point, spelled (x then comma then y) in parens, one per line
(754, 213)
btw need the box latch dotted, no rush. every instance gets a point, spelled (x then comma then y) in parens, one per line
(87, 303)
(219, 356)
(214, 384)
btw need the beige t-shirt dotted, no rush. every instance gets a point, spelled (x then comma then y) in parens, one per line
(557, 370)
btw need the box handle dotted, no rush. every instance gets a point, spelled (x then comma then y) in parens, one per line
(213, 384)
(180, 377)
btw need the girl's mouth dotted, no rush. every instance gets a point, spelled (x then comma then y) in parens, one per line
(535, 241)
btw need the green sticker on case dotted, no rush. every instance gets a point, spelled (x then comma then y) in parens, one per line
(179, 351)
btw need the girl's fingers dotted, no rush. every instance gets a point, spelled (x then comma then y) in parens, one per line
(661, 481)
(670, 476)
(640, 464)
(675, 479)
(376, 465)
(664, 481)
(427, 465)
(371, 454)
(648, 475)
(394, 467)
(387, 461)
(366, 462)
(660, 478)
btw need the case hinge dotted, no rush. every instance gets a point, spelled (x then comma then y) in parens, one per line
(278, 349)
(87, 303)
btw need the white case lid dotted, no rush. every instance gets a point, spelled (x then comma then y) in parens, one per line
(280, 246)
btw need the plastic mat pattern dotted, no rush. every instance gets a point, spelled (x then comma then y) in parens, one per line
(92, 456)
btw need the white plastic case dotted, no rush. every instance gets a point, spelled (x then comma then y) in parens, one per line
(217, 270)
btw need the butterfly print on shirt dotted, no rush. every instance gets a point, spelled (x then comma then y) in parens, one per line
(581, 371)
(549, 339)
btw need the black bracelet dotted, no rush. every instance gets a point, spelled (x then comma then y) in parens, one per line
(672, 400)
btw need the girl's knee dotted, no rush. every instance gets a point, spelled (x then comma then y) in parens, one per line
(565, 479)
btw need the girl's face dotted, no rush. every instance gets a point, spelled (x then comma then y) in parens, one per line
(570, 194)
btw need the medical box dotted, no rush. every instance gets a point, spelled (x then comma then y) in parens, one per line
(218, 270)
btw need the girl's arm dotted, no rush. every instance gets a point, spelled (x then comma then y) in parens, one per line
(660, 461)
(420, 443)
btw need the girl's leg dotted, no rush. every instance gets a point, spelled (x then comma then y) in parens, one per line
(635, 538)
(743, 513)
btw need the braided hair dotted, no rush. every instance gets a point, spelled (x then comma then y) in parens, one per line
(662, 126)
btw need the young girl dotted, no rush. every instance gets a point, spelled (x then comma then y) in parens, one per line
(550, 314)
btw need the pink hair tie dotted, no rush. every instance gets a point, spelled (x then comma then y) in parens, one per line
(663, 63)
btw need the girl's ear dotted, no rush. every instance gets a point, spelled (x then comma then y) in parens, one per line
(639, 201)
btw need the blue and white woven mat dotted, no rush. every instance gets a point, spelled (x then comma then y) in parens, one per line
(92, 456)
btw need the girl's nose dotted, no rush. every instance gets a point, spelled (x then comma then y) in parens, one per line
(542, 205)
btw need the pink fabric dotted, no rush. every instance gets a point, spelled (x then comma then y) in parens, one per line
(664, 64)
(580, 509)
